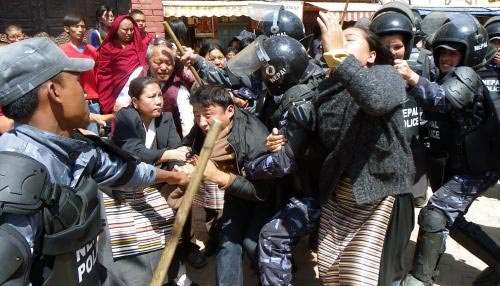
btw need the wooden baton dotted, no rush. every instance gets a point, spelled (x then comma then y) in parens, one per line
(185, 207)
(343, 14)
(181, 50)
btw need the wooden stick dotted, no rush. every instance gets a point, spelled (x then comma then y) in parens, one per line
(343, 14)
(185, 207)
(172, 35)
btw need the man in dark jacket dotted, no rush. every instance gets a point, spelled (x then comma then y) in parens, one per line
(242, 139)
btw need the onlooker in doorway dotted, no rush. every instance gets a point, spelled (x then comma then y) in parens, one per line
(14, 34)
(231, 52)
(74, 26)
(180, 30)
(105, 18)
(140, 19)
(212, 51)
(176, 81)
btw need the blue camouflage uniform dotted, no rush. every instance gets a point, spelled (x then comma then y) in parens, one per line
(66, 160)
(454, 183)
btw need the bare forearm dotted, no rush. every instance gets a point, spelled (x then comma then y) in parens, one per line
(174, 154)
(222, 179)
(171, 178)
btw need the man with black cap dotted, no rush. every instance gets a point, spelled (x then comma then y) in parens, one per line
(49, 172)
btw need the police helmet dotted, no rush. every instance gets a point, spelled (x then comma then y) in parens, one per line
(286, 64)
(394, 23)
(283, 22)
(401, 8)
(417, 23)
(492, 27)
(430, 24)
(466, 33)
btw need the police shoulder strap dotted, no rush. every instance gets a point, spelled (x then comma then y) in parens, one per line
(112, 149)
(25, 185)
(297, 94)
(423, 58)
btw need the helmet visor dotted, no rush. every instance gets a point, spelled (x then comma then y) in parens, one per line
(264, 12)
(249, 59)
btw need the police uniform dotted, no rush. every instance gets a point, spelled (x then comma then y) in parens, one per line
(49, 211)
(65, 160)
(463, 131)
(301, 211)
(454, 176)
(292, 82)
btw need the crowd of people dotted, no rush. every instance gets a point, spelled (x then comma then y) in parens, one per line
(335, 137)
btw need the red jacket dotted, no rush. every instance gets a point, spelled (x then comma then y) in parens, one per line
(87, 78)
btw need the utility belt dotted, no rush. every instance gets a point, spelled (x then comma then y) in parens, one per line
(71, 220)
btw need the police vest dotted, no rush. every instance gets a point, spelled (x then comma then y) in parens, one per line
(490, 79)
(469, 137)
(71, 221)
(411, 116)
(297, 95)
(419, 62)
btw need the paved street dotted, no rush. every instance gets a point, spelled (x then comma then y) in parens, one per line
(458, 266)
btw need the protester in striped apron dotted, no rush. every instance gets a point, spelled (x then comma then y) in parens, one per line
(360, 124)
(140, 223)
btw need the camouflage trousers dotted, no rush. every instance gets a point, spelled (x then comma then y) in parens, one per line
(279, 237)
(456, 196)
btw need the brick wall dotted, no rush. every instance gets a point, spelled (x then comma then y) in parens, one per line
(153, 10)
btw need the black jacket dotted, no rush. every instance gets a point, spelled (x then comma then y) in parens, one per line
(361, 125)
(248, 140)
(130, 135)
(301, 157)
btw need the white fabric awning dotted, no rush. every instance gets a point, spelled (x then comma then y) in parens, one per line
(355, 11)
(204, 8)
(455, 3)
(221, 8)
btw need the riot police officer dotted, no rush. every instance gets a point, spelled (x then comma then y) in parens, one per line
(492, 27)
(396, 31)
(463, 134)
(491, 72)
(282, 64)
(49, 211)
(281, 22)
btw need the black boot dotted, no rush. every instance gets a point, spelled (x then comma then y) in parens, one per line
(430, 247)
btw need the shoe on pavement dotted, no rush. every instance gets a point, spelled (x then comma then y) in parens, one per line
(412, 281)
(420, 202)
(193, 256)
